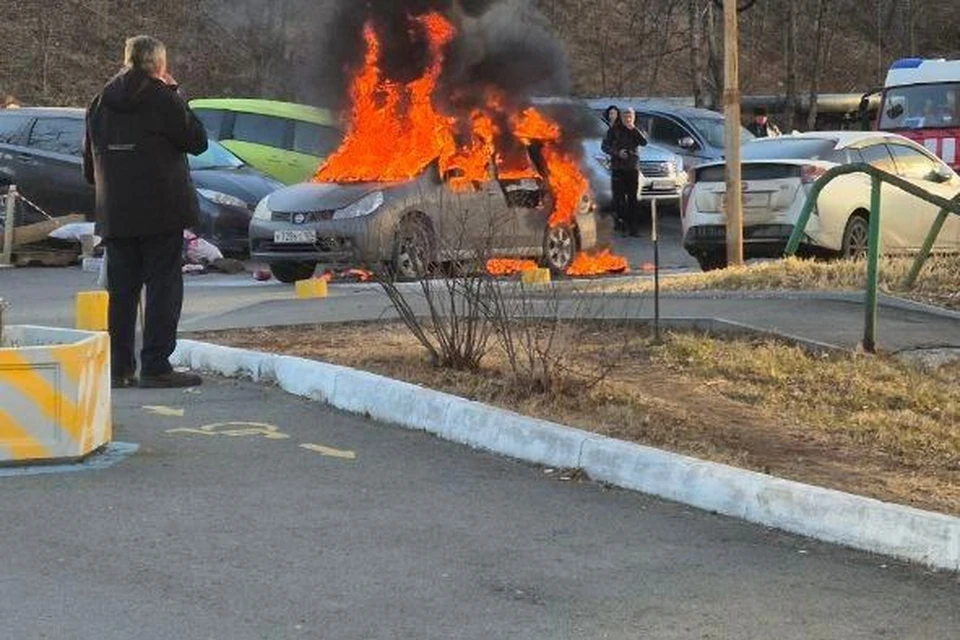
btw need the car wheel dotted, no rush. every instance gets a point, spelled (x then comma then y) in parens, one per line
(289, 272)
(412, 249)
(559, 248)
(856, 238)
(712, 261)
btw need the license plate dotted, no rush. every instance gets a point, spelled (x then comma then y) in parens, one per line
(663, 185)
(749, 200)
(297, 236)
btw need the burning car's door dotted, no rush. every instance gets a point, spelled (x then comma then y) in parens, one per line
(473, 214)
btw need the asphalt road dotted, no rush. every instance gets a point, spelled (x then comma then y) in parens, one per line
(203, 535)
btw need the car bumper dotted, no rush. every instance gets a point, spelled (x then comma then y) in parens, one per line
(759, 241)
(338, 242)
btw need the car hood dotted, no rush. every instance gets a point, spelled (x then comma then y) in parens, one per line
(245, 183)
(321, 196)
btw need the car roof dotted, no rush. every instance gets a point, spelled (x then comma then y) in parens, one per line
(306, 113)
(33, 112)
(842, 139)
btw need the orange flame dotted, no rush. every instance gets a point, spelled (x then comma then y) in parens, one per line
(395, 132)
(508, 267)
(586, 264)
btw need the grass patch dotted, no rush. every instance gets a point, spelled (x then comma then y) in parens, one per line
(939, 282)
(866, 424)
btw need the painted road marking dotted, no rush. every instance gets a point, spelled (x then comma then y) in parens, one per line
(236, 430)
(168, 412)
(330, 452)
(112, 453)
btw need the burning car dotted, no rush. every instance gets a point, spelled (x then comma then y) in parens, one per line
(408, 226)
(429, 173)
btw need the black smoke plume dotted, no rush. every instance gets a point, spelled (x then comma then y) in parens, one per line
(505, 44)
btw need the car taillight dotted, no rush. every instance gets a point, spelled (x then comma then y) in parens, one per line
(687, 190)
(809, 173)
(685, 199)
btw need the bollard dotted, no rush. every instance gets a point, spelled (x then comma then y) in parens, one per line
(6, 253)
(312, 288)
(92, 309)
(535, 276)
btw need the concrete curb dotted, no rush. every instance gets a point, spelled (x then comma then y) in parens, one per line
(853, 297)
(910, 534)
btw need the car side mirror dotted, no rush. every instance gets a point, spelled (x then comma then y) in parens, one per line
(895, 111)
(686, 142)
(942, 173)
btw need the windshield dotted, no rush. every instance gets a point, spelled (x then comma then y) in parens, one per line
(215, 157)
(922, 106)
(790, 149)
(713, 131)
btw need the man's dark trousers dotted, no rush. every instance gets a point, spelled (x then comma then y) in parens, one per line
(626, 182)
(132, 263)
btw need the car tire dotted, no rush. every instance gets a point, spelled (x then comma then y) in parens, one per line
(712, 260)
(559, 248)
(856, 237)
(413, 250)
(289, 272)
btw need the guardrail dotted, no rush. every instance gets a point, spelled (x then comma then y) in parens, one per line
(877, 177)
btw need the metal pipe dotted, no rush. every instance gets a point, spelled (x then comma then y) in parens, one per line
(655, 236)
(873, 259)
(8, 226)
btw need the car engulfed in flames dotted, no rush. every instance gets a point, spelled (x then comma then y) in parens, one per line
(411, 186)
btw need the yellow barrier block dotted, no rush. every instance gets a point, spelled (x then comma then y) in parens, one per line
(92, 310)
(54, 394)
(312, 288)
(535, 276)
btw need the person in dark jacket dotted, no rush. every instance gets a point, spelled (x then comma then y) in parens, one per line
(138, 132)
(761, 126)
(622, 144)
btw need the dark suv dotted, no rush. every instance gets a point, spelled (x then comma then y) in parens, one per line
(41, 152)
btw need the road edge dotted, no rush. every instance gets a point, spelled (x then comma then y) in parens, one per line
(928, 538)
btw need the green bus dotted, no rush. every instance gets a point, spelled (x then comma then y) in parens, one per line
(285, 140)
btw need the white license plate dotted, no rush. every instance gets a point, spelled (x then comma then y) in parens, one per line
(663, 185)
(750, 201)
(297, 236)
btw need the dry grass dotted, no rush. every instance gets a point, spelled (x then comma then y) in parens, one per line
(865, 424)
(939, 282)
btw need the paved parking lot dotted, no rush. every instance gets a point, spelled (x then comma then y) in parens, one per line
(249, 514)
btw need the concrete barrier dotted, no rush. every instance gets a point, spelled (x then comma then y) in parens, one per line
(54, 394)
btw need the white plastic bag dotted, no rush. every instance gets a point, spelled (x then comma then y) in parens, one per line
(199, 251)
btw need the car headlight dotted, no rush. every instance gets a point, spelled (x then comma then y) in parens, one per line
(219, 197)
(262, 212)
(362, 207)
(603, 161)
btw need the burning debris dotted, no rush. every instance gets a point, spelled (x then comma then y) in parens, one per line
(436, 83)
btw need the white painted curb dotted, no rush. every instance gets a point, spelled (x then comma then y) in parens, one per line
(928, 538)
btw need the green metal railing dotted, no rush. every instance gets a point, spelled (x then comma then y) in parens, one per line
(877, 177)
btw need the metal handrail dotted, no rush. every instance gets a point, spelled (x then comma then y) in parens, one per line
(877, 177)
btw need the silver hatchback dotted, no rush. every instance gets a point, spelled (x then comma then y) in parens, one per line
(406, 227)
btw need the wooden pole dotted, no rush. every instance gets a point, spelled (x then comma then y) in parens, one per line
(731, 105)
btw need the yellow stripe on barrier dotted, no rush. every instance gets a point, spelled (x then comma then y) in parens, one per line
(19, 442)
(41, 393)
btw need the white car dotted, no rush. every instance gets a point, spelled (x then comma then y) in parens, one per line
(778, 174)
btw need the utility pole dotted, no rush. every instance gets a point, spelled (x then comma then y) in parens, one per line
(731, 107)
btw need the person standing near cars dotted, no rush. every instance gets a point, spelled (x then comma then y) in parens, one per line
(761, 126)
(138, 132)
(622, 144)
(611, 116)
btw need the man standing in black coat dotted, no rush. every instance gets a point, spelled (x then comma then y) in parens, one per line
(138, 133)
(622, 144)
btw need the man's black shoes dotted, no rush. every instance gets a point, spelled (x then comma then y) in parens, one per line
(123, 382)
(172, 380)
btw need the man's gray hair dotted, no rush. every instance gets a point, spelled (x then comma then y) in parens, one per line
(145, 53)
